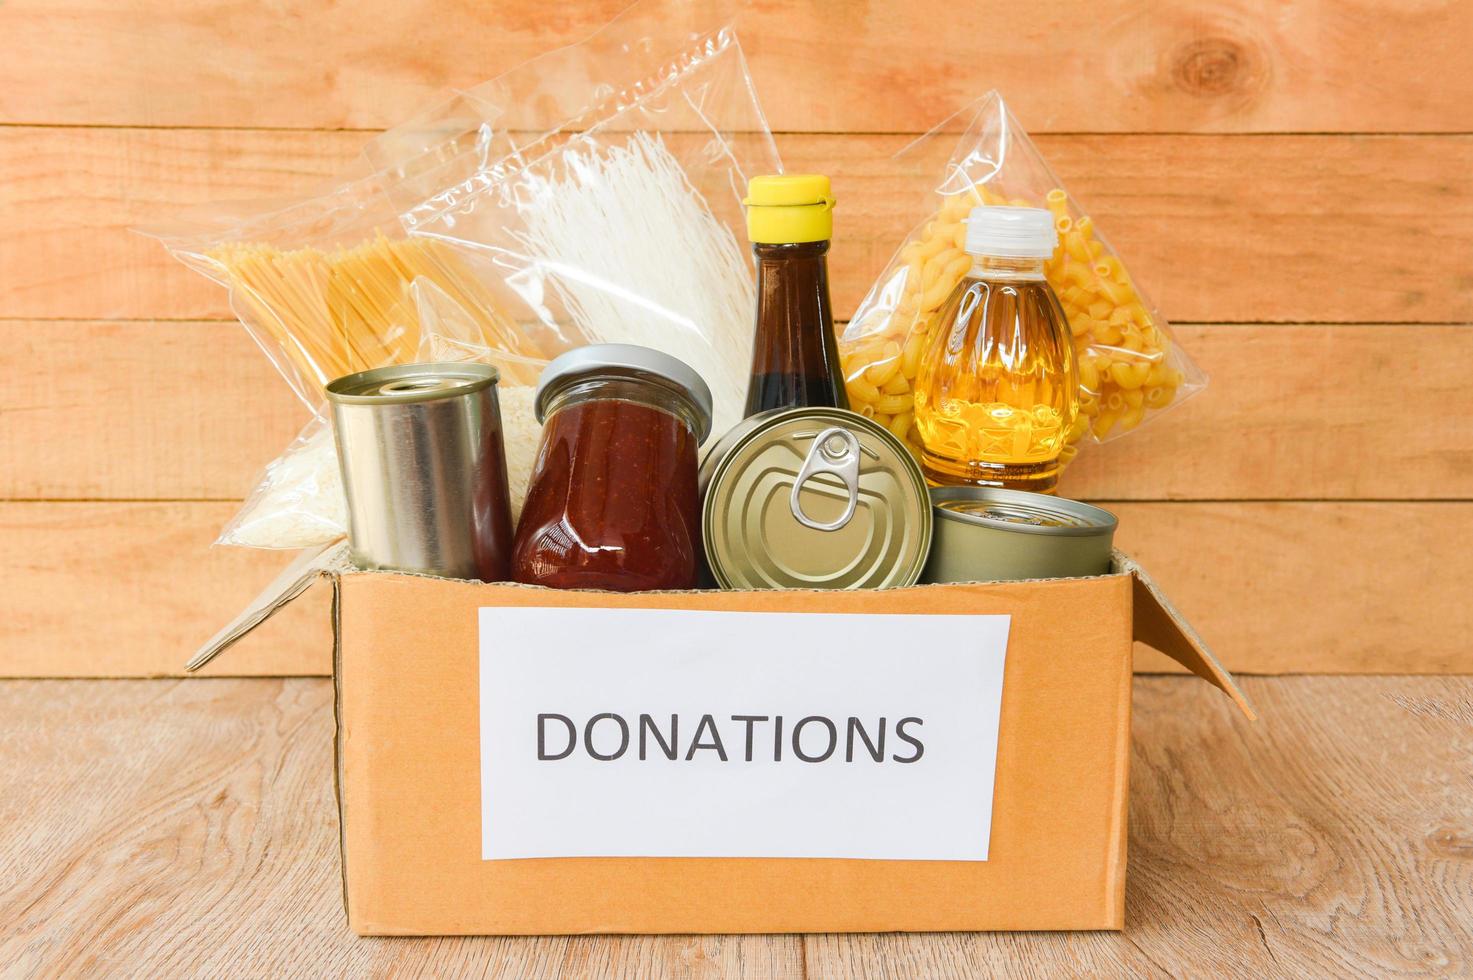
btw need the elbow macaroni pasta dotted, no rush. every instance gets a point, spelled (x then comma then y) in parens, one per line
(1124, 355)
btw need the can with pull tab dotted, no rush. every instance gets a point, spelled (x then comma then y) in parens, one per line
(813, 498)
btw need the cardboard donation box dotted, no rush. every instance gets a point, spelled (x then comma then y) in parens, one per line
(514, 760)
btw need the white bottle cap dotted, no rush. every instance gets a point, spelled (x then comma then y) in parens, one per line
(1025, 233)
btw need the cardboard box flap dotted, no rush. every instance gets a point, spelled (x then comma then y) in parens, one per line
(1156, 621)
(309, 566)
(1161, 627)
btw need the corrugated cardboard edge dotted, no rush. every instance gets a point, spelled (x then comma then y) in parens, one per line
(1160, 626)
(296, 578)
(337, 735)
(1119, 854)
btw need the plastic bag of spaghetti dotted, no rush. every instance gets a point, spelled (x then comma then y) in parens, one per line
(1130, 366)
(298, 500)
(603, 184)
(322, 282)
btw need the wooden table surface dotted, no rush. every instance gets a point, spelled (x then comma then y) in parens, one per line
(178, 828)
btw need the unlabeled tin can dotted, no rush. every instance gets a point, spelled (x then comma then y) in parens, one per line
(813, 498)
(424, 468)
(987, 534)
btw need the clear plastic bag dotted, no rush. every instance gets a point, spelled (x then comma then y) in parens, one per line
(1130, 366)
(465, 236)
(323, 284)
(606, 192)
(298, 499)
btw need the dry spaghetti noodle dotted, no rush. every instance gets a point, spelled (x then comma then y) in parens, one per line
(350, 309)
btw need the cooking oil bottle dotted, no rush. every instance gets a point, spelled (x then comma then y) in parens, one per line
(997, 389)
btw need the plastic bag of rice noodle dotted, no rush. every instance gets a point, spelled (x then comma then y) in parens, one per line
(603, 183)
(1130, 366)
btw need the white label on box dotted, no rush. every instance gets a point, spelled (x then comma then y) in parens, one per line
(675, 733)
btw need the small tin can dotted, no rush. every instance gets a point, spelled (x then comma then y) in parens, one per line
(424, 469)
(988, 534)
(813, 498)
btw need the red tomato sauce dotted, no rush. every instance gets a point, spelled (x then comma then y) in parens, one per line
(613, 503)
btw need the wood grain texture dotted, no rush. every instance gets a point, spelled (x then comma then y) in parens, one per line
(1314, 587)
(172, 829)
(1303, 413)
(1329, 839)
(1240, 229)
(1322, 229)
(132, 589)
(1133, 66)
(191, 410)
(135, 410)
(78, 192)
(164, 828)
(1377, 588)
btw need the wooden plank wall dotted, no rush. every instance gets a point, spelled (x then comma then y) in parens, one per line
(1289, 180)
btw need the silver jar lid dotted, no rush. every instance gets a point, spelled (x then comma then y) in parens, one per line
(625, 360)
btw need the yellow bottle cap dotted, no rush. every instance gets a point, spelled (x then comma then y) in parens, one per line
(784, 208)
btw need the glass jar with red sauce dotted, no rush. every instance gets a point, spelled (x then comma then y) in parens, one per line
(613, 501)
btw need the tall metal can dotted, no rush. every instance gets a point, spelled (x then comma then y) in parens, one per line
(424, 469)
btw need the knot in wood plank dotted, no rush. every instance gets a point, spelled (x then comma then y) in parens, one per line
(1215, 67)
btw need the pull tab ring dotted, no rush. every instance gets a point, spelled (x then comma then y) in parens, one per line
(835, 450)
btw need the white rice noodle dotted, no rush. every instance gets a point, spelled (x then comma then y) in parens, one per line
(637, 257)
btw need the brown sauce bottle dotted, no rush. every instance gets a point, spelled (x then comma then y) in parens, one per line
(795, 354)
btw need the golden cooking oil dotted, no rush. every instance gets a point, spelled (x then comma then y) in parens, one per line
(997, 389)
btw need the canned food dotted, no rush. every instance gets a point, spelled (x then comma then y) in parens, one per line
(813, 498)
(424, 469)
(988, 534)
